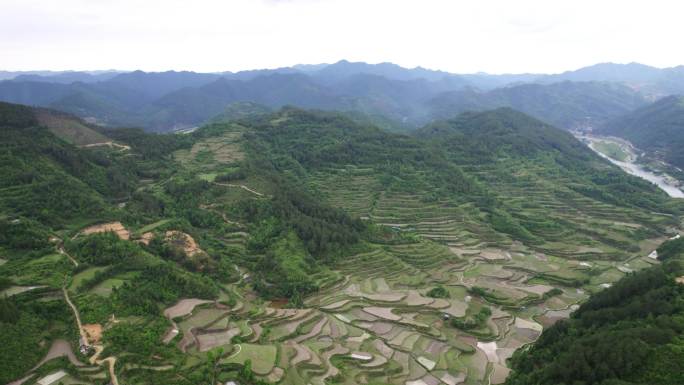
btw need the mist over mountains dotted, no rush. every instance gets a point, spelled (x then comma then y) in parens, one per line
(386, 94)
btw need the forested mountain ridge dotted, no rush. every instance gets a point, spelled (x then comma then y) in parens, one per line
(408, 98)
(655, 82)
(657, 128)
(568, 105)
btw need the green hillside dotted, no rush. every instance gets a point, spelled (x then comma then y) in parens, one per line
(50, 180)
(565, 104)
(657, 128)
(305, 247)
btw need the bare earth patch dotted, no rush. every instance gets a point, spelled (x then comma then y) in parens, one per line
(499, 374)
(184, 241)
(93, 332)
(147, 238)
(115, 227)
(525, 324)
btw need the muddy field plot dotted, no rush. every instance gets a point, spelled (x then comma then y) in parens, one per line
(184, 307)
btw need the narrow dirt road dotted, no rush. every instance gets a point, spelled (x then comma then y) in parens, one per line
(84, 337)
(121, 147)
(61, 250)
(110, 360)
(239, 186)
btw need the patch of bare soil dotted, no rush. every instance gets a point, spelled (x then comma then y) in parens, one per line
(146, 238)
(115, 227)
(110, 144)
(93, 332)
(184, 241)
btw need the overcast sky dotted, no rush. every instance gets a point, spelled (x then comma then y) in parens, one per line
(506, 36)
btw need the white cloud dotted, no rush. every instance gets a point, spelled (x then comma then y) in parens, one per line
(459, 36)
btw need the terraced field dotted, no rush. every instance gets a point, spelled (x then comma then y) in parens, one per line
(378, 324)
(375, 322)
(432, 292)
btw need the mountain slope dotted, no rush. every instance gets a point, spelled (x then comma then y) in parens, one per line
(469, 159)
(655, 82)
(657, 128)
(633, 73)
(343, 69)
(522, 161)
(567, 105)
(192, 106)
(48, 179)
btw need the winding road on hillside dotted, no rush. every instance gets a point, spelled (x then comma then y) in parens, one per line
(84, 337)
(240, 186)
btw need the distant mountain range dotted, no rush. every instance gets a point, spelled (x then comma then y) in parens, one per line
(385, 93)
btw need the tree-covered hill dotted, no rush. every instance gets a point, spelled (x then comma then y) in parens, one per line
(467, 159)
(49, 179)
(629, 334)
(657, 128)
(504, 137)
(565, 104)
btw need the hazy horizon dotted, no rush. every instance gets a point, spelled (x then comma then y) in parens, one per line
(493, 36)
(320, 64)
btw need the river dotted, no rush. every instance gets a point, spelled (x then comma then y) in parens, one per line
(662, 181)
